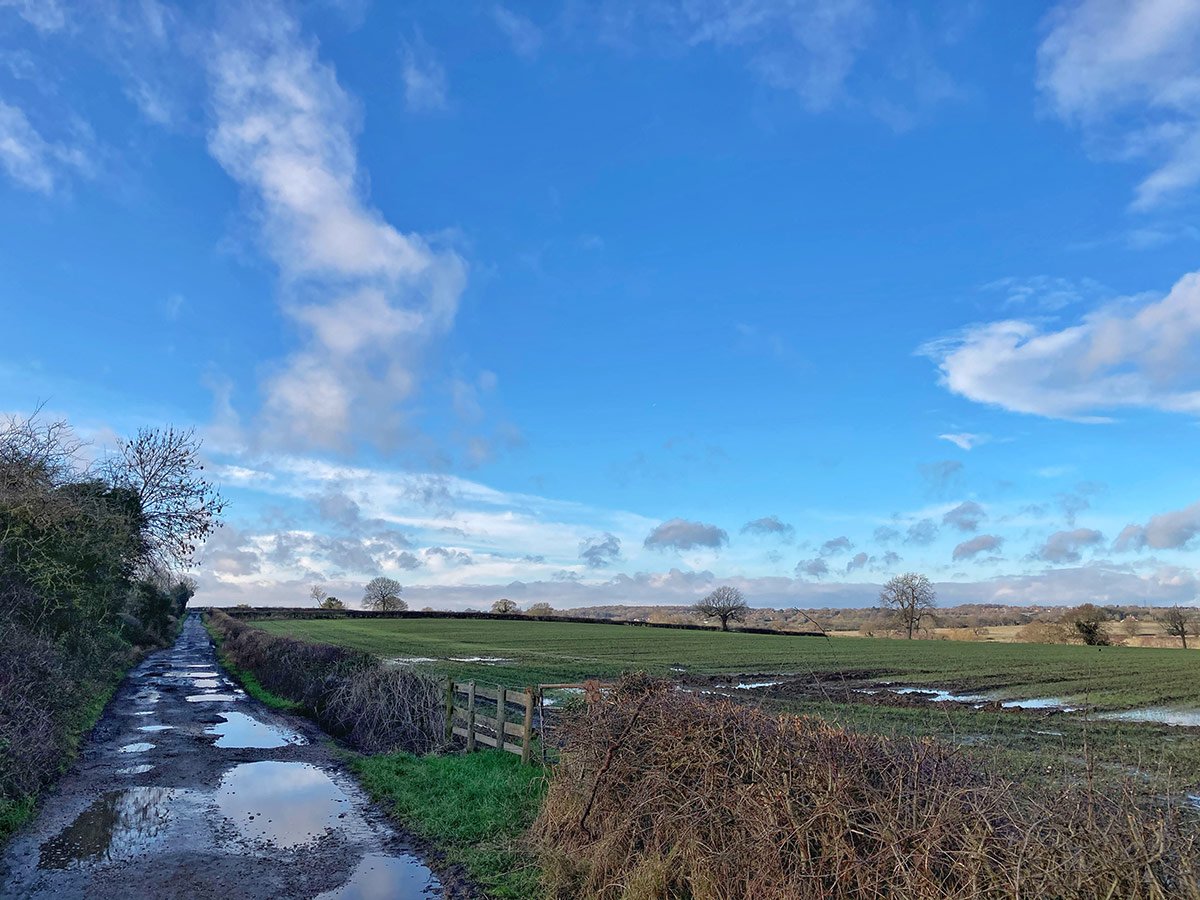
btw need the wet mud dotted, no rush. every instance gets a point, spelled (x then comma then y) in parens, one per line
(189, 788)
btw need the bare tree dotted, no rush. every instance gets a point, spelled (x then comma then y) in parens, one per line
(318, 595)
(539, 609)
(383, 595)
(179, 506)
(725, 603)
(1178, 622)
(912, 598)
(505, 607)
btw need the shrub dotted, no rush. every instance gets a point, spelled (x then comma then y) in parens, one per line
(350, 693)
(662, 794)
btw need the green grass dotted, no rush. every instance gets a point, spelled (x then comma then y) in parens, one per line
(14, 814)
(541, 652)
(248, 681)
(474, 808)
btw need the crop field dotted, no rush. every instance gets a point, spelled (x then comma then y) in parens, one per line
(517, 653)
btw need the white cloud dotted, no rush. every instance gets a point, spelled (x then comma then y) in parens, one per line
(859, 53)
(1135, 354)
(1173, 530)
(681, 534)
(1128, 73)
(1067, 546)
(1165, 585)
(525, 37)
(367, 298)
(424, 78)
(30, 160)
(44, 15)
(964, 440)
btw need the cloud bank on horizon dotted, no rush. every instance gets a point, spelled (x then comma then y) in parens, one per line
(617, 304)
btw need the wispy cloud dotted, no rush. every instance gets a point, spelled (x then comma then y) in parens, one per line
(523, 34)
(366, 297)
(1126, 73)
(425, 87)
(33, 162)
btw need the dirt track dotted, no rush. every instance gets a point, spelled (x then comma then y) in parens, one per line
(189, 788)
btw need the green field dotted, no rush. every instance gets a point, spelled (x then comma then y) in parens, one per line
(544, 652)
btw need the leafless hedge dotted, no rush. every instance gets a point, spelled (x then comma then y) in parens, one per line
(662, 794)
(351, 694)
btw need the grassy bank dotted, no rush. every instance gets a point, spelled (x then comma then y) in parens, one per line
(247, 679)
(474, 808)
(15, 812)
(533, 652)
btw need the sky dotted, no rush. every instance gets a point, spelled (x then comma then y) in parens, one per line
(616, 301)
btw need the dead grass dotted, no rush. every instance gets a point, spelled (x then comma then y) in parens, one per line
(662, 795)
(351, 694)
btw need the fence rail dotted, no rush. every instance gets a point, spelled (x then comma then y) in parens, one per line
(511, 715)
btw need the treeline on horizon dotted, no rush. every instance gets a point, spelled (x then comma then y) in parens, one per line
(1038, 624)
(90, 556)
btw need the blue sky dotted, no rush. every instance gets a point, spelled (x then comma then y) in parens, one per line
(612, 302)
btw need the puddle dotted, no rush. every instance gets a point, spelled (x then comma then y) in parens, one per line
(144, 712)
(560, 696)
(119, 825)
(183, 673)
(207, 683)
(937, 695)
(486, 660)
(386, 878)
(135, 770)
(1039, 703)
(140, 747)
(283, 803)
(156, 728)
(1048, 733)
(408, 660)
(209, 697)
(240, 731)
(1162, 715)
(751, 685)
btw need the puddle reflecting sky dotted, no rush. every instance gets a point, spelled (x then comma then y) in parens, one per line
(1164, 715)
(135, 770)
(140, 747)
(379, 877)
(241, 731)
(210, 697)
(284, 803)
(118, 825)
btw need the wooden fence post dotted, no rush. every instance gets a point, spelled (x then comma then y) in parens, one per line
(470, 716)
(501, 714)
(527, 738)
(449, 710)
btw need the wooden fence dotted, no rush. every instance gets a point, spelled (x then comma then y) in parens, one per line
(512, 717)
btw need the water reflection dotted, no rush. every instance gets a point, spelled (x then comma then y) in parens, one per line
(241, 731)
(284, 803)
(118, 825)
(378, 877)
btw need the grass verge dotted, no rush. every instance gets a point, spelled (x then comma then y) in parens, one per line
(475, 808)
(247, 680)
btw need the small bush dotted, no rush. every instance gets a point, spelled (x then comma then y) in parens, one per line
(350, 693)
(662, 794)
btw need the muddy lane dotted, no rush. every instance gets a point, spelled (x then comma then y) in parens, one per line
(189, 788)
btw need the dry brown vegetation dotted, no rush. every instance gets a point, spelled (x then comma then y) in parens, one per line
(351, 694)
(661, 794)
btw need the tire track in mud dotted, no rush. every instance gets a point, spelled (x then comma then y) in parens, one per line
(189, 788)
